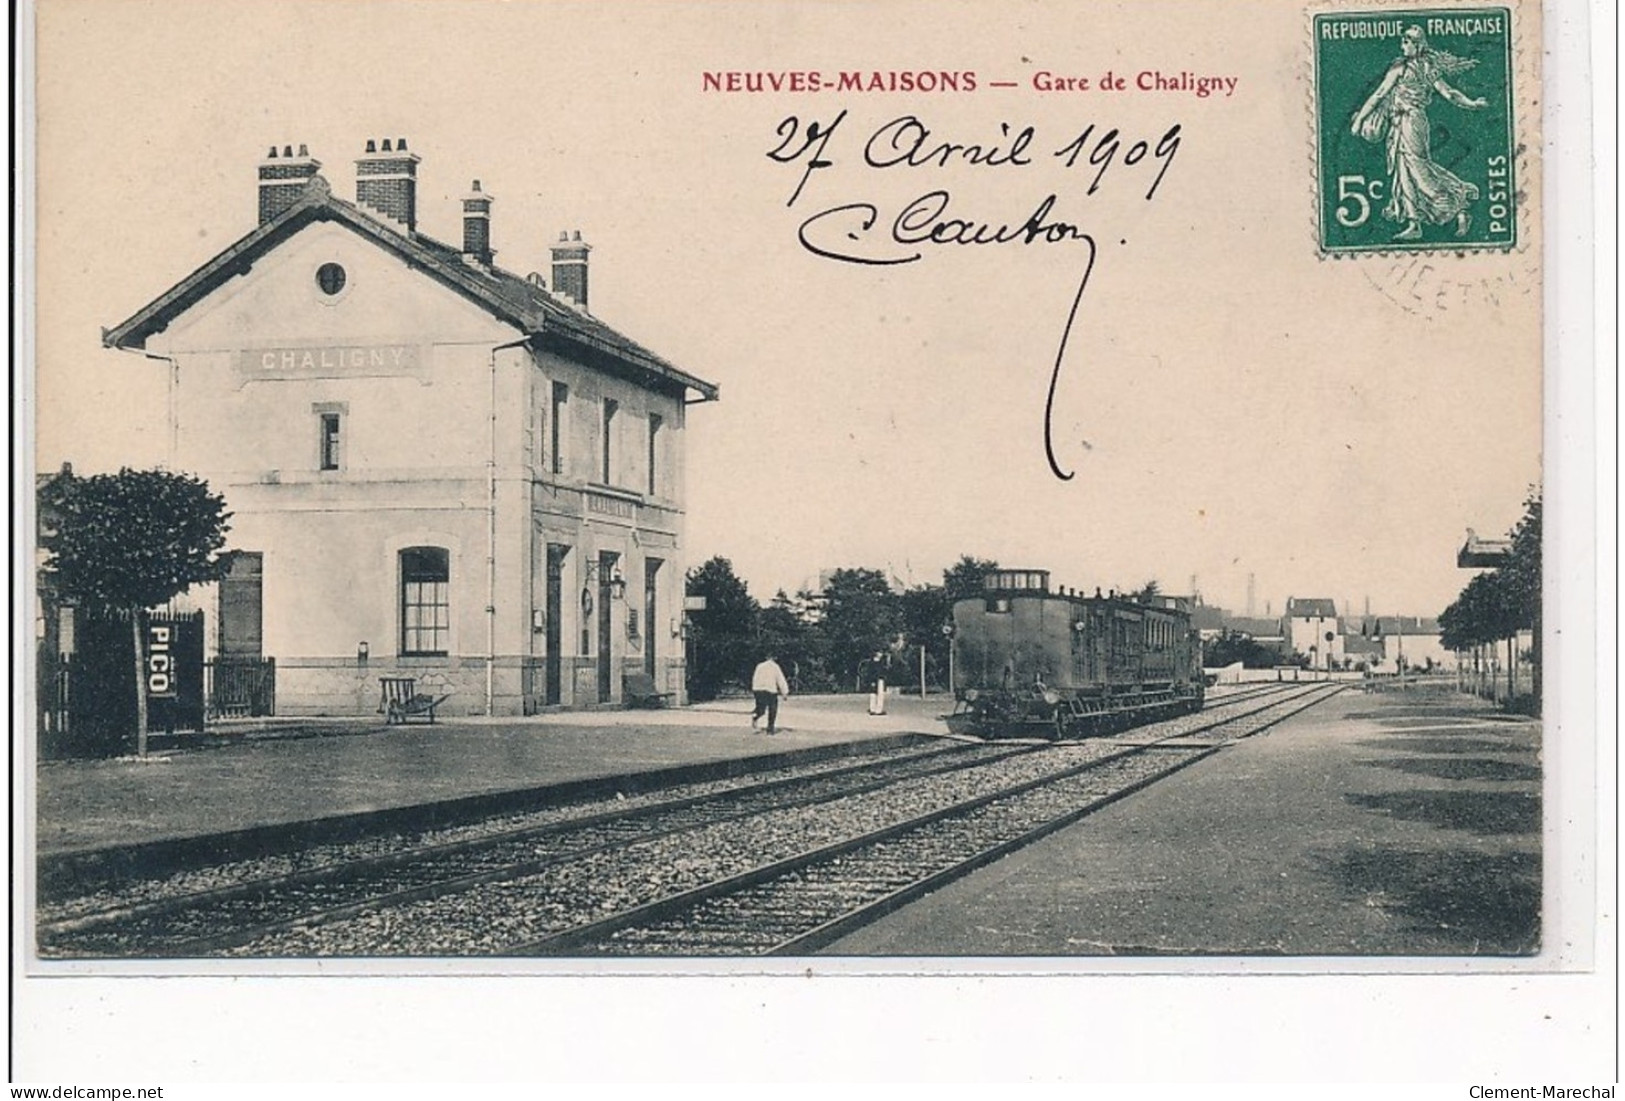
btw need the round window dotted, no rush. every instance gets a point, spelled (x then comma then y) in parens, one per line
(330, 277)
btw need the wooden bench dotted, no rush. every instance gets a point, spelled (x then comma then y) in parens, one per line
(400, 703)
(638, 690)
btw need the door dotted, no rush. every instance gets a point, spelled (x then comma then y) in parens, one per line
(651, 578)
(242, 604)
(606, 574)
(554, 659)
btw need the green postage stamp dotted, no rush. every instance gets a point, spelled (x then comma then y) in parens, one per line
(1414, 135)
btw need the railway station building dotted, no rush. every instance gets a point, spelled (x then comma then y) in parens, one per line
(436, 468)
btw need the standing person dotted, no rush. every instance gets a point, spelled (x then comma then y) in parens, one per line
(768, 684)
(1420, 189)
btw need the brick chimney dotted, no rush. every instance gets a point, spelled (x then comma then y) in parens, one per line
(477, 225)
(386, 181)
(283, 178)
(570, 267)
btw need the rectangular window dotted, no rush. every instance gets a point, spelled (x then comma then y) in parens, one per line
(425, 601)
(330, 437)
(611, 407)
(561, 395)
(655, 421)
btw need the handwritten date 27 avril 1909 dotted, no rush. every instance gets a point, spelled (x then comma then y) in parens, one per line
(852, 233)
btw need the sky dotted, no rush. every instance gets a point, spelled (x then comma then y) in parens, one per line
(1230, 405)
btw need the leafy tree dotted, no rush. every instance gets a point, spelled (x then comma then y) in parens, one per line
(963, 580)
(723, 633)
(860, 621)
(1521, 573)
(1470, 620)
(786, 627)
(1498, 604)
(779, 628)
(1146, 593)
(1523, 578)
(1230, 647)
(923, 611)
(118, 544)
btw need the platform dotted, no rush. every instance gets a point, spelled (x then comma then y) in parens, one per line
(273, 772)
(1374, 824)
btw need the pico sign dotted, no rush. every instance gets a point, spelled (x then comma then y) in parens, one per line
(160, 661)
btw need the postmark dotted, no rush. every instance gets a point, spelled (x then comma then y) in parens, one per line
(1415, 139)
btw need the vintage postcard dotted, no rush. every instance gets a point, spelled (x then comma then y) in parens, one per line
(555, 493)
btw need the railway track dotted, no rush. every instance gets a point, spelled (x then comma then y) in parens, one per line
(606, 879)
(802, 904)
(339, 876)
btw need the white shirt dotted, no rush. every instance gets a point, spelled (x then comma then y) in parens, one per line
(769, 678)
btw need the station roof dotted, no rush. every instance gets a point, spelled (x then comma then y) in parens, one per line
(549, 320)
(1404, 625)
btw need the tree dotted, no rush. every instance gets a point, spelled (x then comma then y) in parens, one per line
(1230, 647)
(923, 611)
(1523, 578)
(723, 633)
(121, 543)
(1522, 569)
(860, 621)
(1146, 593)
(785, 627)
(963, 580)
(1498, 604)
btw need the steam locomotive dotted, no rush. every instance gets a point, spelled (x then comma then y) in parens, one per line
(1061, 664)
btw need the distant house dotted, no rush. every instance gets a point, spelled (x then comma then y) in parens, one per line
(1413, 640)
(1311, 628)
(1365, 652)
(1214, 622)
(1255, 627)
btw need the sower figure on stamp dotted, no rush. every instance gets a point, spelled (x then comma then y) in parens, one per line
(768, 684)
(1419, 187)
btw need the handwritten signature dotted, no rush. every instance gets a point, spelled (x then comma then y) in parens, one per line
(853, 233)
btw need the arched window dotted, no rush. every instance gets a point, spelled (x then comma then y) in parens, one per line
(425, 601)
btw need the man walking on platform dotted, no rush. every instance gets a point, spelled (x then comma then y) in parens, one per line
(768, 684)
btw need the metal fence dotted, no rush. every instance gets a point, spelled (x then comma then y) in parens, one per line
(240, 687)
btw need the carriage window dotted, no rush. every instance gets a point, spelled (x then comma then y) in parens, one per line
(998, 604)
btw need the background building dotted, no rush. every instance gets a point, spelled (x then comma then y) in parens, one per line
(1411, 640)
(436, 468)
(1311, 628)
